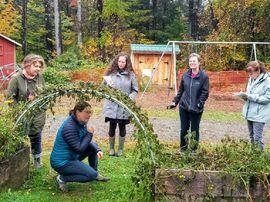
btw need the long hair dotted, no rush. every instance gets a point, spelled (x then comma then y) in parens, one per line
(113, 67)
(31, 58)
(256, 66)
(80, 106)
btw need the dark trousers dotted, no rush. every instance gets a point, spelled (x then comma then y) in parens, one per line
(77, 171)
(188, 118)
(122, 129)
(35, 143)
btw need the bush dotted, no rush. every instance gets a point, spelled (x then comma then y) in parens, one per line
(54, 76)
(69, 60)
(11, 140)
(73, 60)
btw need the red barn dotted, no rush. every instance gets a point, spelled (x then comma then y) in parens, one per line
(7, 59)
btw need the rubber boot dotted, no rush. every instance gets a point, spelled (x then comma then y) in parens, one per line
(111, 141)
(37, 161)
(121, 145)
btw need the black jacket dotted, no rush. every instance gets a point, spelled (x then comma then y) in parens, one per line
(193, 92)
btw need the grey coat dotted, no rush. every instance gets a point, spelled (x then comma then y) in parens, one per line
(257, 106)
(127, 84)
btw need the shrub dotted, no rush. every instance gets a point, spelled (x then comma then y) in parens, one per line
(69, 60)
(11, 140)
(54, 76)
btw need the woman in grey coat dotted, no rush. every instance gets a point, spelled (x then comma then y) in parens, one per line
(257, 96)
(120, 75)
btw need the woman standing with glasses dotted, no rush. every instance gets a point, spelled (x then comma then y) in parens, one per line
(256, 109)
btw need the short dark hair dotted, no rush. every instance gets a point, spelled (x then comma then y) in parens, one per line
(80, 106)
(256, 66)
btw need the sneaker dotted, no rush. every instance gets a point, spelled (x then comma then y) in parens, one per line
(102, 179)
(61, 184)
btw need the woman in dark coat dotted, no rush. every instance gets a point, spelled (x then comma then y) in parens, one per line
(192, 94)
(23, 87)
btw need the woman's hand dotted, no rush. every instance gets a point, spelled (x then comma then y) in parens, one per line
(171, 106)
(91, 130)
(100, 154)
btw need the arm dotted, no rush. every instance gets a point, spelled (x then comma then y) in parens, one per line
(205, 93)
(261, 99)
(72, 138)
(177, 98)
(12, 90)
(93, 145)
(134, 87)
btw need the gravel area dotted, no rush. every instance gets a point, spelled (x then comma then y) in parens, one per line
(166, 129)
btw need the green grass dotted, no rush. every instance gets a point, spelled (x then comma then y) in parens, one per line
(41, 185)
(210, 115)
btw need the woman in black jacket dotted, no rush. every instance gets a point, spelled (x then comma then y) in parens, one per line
(192, 94)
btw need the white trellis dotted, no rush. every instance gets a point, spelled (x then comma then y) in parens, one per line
(173, 43)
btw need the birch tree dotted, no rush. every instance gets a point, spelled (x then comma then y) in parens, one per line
(57, 24)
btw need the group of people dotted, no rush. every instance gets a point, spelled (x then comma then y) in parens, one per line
(74, 140)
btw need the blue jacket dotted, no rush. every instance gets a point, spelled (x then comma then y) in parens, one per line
(193, 92)
(72, 140)
(257, 106)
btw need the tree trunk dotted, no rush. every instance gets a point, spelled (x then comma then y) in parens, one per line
(154, 14)
(57, 24)
(213, 18)
(24, 26)
(79, 22)
(48, 26)
(193, 20)
(100, 28)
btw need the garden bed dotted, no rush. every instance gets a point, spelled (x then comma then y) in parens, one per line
(14, 170)
(233, 170)
(190, 185)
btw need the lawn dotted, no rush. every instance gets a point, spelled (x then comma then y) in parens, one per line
(210, 115)
(41, 185)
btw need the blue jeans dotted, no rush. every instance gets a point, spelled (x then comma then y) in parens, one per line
(256, 133)
(35, 142)
(77, 171)
(188, 118)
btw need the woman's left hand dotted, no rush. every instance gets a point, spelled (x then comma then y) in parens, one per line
(100, 154)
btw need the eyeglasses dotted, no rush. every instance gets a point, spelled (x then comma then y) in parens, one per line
(250, 71)
(88, 111)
